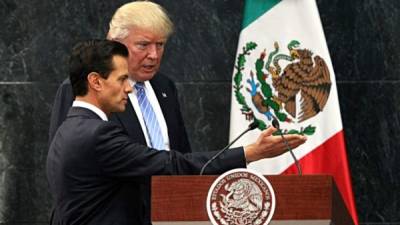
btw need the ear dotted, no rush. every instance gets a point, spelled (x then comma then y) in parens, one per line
(94, 81)
(109, 36)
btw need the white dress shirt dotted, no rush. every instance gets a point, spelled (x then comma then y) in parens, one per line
(151, 96)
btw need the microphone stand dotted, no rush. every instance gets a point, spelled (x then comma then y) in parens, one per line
(252, 126)
(275, 124)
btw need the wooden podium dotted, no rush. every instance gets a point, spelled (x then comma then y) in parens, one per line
(300, 200)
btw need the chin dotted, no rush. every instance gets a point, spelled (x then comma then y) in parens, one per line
(146, 76)
(119, 109)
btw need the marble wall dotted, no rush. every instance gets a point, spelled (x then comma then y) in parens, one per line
(36, 36)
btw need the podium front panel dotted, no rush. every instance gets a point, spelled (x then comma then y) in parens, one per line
(313, 199)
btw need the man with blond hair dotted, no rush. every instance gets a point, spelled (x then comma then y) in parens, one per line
(144, 27)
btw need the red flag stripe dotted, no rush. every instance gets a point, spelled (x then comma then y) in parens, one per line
(330, 158)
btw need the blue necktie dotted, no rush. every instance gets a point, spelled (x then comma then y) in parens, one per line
(150, 119)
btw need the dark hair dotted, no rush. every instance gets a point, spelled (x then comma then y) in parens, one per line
(92, 56)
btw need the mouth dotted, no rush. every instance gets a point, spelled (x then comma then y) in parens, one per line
(149, 67)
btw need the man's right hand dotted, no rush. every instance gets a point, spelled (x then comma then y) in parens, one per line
(268, 146)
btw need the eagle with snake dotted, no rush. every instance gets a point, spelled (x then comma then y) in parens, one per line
(307, 75)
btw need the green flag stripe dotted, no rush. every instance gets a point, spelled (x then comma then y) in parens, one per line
(255, 8)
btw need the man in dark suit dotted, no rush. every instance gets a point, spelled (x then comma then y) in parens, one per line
(95, 170)
(144, 28)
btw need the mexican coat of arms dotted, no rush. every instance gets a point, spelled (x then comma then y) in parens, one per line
(274, 89)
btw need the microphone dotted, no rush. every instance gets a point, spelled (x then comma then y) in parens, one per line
(252, 126)
(275, 124)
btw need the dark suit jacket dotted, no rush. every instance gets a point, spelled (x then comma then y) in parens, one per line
(166, 93)
(95, 170)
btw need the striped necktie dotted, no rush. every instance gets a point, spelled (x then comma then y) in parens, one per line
(150, 119)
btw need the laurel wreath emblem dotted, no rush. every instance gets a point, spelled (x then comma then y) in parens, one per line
(263, 94)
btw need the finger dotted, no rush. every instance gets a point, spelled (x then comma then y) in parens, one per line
(295, 143)
(269, 131)
(292, 142)
(295, 137)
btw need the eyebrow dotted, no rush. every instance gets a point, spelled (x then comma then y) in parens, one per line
(149, 41)
(123, 76)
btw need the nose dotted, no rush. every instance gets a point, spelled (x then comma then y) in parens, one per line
(128, 87)
(152, 51)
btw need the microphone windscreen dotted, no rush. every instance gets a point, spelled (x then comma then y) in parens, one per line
(275, 123)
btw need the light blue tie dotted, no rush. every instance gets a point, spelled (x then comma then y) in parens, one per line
(150, 119)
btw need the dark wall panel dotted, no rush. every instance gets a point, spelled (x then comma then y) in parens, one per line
(36, 37)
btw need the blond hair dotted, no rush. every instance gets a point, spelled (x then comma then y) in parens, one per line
(140, 14)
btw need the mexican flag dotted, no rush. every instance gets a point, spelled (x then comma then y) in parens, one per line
(283, 70)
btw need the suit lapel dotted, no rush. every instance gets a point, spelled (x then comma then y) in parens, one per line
(162, 96)
(130, 122)
(165, 97)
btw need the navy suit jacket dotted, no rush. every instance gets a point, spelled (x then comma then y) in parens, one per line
(95, 170)
(166, 93)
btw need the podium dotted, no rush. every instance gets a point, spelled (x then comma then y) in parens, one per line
(300, 200)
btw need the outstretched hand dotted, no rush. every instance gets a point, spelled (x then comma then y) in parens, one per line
(268, 146)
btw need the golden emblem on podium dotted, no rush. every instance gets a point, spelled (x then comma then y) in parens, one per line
(240, 196)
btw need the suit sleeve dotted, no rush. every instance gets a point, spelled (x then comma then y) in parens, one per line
(62, 102)
(118, 156)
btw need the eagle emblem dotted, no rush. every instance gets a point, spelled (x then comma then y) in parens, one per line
(295, 93)
(241, 196)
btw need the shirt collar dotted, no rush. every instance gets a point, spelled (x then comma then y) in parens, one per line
(133, 82)
(91, 107)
